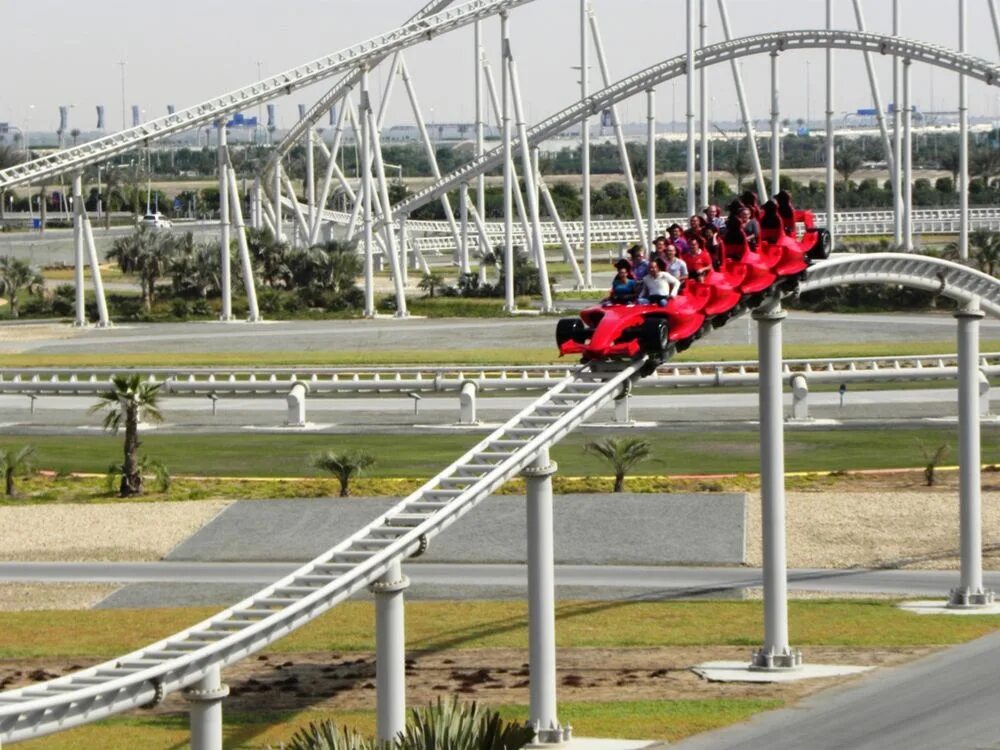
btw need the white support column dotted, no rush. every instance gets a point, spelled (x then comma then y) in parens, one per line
(963, 140)
(256, 213)
(741, 97)
(467, 403)
(568, 256)
(588, 279)
(831, 183)
(296, 405)
(542, 601)
(529, 185)
(650, 167)
(253, 311)
(775, 653)
(622, 411)
(703, 103)
(206, 710)
(876, 91)
(970, 592)
(464, 266)
(224, 238)
(404, 261)
(995, 17)
(897, 141)
(309, 144)
(689, 113)
(508, 186)
(390, 652)
(276, 208)
(984, 395)
(800, 398)
(907, 187)
(616, 124)
(80, 315)
(103, 321)
(480, 126)
(366, 200)
(375, 144)
(775, 128)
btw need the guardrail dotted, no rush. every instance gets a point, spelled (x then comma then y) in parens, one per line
(296, 383)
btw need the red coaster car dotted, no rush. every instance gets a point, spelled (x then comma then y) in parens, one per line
(614, 331)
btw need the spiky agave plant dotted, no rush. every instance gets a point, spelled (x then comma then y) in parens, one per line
(325, 735)
(461, 726)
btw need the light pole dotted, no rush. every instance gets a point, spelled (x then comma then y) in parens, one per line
(260, 115)
(27, 132)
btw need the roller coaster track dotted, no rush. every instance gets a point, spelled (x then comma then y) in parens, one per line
(638, 83)
(145, 676)
(419, 30)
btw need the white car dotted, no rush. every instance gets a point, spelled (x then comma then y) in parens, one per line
(156, 221)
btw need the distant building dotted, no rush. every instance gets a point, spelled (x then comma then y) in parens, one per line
(438, 131)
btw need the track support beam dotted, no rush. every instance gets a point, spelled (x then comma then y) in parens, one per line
(390, 652)
(970, 592)
(775, 654)
(542, 601)
(206, 710)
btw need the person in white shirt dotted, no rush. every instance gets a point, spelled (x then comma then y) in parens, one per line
(674, 265)
(658, 286)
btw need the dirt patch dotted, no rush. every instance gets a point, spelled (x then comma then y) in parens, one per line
(23, 597)
(493, 676)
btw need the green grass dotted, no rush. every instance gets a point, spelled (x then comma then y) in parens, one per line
(287, 455)
(436, 626)
(669, 720)
(441, 626)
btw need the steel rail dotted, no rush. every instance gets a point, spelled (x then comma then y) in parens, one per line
(180, 660)
(281, 84)
(637, 83)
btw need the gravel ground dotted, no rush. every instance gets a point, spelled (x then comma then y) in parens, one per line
(108, 532)
(21, 597)
(914, 529)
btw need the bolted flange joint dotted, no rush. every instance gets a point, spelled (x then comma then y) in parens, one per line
(770, 661)
(963, 598)
(540, 472)
(769, 315)
(209, 695)
(967, 313)
(389, 587)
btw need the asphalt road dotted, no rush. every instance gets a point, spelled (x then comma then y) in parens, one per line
(381, 334)
(670, 581)
(947, 701)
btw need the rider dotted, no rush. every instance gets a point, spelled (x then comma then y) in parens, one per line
(658, 286)
(623, 287)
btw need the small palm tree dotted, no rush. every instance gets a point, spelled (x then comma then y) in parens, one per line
(15, 462)
(146, 253)
(931, 461)
(17, 276)
(430, 282)
(128, 402)
(344, 466)
(623, 454)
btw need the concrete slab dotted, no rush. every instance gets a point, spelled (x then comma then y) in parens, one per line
(597, 743)
(591, 529)
(940, 607)
(739, 671)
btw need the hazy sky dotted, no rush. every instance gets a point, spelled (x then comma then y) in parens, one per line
(185, 52)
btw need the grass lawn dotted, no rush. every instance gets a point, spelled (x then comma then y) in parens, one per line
(440, 626)
(287, 455)
(703, 352)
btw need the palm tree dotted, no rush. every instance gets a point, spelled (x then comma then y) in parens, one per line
(129, 401)
(16, 462)
(17, 276)
(344, 466)
(984, 251)
(430, 282)
(112, 192)
(848, 161)
(623, 454)
(146, 253)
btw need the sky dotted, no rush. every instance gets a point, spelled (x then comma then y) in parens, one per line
(185, 52)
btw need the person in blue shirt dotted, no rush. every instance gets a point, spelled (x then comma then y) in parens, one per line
(640, 265)
(623, 286)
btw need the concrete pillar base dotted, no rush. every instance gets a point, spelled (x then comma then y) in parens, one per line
(769, 661)
(961, 598)
(296, 403)
(551, 736)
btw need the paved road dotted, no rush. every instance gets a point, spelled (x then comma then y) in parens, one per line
(421, 334)
(623, 580)
(947, 701)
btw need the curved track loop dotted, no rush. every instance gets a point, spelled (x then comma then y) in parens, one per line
(638, 83)
(948, 279)
(145, 675)
(206, 113)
